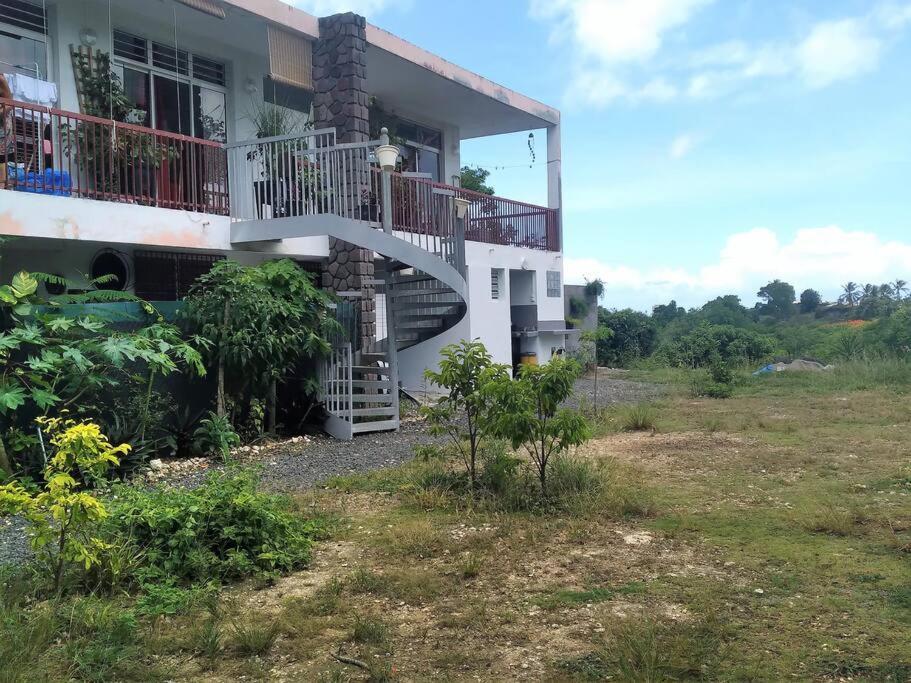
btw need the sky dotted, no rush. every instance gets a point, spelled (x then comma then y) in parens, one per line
(709, 146)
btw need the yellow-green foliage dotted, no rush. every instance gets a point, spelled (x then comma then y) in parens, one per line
(61, 515)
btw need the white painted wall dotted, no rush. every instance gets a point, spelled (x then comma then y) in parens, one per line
(489, 319)
(245, 58)
(67, 218)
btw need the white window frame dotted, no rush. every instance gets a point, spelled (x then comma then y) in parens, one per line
(559, 284)
(148, 67)
(44, 69)
(496, 283)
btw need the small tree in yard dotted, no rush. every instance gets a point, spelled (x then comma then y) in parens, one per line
(261, 321)
(61, 516)
(528, 413)
(467, 372)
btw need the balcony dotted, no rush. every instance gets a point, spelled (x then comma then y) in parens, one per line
(67, 154)
(62, 153)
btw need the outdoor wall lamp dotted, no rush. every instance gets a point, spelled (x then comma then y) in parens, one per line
(386, 154)
(461, 207)
(88, 37)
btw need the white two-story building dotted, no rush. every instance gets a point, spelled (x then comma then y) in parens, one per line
(249, 129)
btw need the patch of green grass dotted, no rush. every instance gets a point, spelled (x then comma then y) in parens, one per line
(370, 631)
(650, 651)
(470, 566)
(367, 581)
(830, 518)
(570, 598)
(254, 637)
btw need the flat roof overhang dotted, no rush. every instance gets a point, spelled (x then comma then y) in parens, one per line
(478, 107)
(410, 77)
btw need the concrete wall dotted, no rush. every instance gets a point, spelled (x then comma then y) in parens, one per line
(67, 219)
(488, 319)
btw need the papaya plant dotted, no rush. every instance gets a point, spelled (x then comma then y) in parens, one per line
(51, 359)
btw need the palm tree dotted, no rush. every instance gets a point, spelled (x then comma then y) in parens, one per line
(886, 291)
(850, 294)
(870, 292)
(899, 287)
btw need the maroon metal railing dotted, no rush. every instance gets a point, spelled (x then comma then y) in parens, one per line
(490, 219)
(63, 153)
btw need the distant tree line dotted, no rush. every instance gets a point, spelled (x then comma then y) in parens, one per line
(868, 319)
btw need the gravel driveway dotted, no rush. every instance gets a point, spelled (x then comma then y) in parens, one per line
(292, 467)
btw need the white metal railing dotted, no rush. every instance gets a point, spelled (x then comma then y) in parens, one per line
(338, 382)
(302, 175)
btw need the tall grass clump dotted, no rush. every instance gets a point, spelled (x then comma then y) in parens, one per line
(641, 417)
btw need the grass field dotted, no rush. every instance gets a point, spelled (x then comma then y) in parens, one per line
(764, 537)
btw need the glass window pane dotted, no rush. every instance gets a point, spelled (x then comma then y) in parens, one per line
(136, 88)
(429, 162)
(172, 105)
(209, 109)
(22, 55)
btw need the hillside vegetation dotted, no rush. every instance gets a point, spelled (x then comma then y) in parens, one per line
(873, 321)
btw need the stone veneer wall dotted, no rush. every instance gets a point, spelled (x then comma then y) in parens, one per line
(340, 101)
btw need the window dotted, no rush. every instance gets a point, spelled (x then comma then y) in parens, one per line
(496, 283)
(421, 146)
(168, 276)
(172, 89)
(23, 47)
(286, 95)
(553, 283)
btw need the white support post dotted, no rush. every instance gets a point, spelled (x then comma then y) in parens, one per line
(555, 175)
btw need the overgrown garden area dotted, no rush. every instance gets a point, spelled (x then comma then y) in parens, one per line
(762, 536)
(732, 527)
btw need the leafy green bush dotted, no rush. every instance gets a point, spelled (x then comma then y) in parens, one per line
(633, 335)
(706, 344)
(224, 529)
(215, 435)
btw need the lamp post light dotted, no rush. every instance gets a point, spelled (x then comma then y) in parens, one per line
(461, 212)
(461, 208)
(386, 156)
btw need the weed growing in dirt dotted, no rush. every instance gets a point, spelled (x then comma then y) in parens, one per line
(254, 637)
(642, 417)
(651, 651)
(370, 631)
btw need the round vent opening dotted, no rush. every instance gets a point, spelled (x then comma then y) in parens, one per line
(114, 269)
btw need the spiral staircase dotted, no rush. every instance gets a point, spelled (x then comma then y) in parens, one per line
(306, 186)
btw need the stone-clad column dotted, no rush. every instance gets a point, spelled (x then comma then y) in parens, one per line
(340, 101)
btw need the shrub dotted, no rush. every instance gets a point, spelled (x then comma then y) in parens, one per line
(706, 344)
(529, 414)
(63, 517)
(224, 529)
(215, 435)
(466, 372)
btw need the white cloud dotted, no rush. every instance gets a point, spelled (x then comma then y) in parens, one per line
(621, 50)
(616, 30)
(836, 50)
(323, 8)
(821, 258)
(682, 145)
(608, 33)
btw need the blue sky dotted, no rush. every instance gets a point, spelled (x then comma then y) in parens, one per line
(708, 145)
